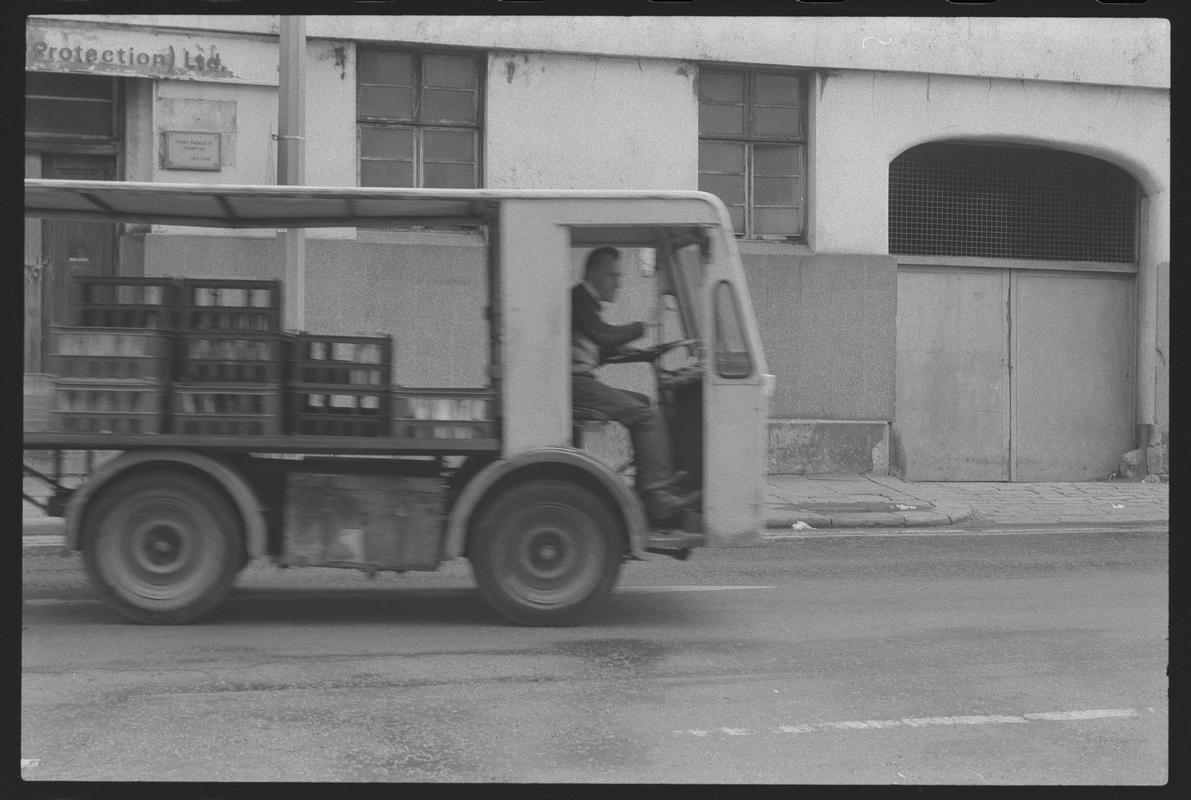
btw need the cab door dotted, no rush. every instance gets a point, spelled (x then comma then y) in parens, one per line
(737, 388)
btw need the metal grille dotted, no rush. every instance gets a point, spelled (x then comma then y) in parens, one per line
(954, 199)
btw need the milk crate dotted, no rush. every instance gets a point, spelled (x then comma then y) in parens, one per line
(226, 409)
(122, 302)
(337, 410)
(101, 406)
(227, 304)
(226, 357)
(341, 360)
(444, 413)
(110, 353)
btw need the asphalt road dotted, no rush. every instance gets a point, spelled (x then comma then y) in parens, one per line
(877, 659)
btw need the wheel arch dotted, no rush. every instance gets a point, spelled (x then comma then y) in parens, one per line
(550, 462)
(226, 477)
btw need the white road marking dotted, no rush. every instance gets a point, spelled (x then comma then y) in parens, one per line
(868, 533)
(688, 588)
(1095, 713)
(919, 722)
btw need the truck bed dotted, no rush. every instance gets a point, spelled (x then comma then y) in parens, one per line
(288, 443)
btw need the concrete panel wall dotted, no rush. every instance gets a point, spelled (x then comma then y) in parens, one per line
(564, 122)
(430, 298)
(828, 325)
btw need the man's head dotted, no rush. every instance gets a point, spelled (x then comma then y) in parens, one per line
(602, 271)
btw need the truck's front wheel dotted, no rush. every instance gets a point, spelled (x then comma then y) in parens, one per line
(545, 552)
(162, 547)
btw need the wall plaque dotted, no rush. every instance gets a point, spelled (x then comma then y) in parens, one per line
(190, 150)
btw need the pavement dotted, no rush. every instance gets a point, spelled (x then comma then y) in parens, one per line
(797, 504)
(804, 502)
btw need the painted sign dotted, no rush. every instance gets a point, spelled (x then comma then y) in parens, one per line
(134, 52)
(190, 150)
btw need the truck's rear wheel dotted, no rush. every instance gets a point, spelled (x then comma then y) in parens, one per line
(162, 547)
(545, 552)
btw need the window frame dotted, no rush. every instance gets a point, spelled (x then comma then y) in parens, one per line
(116, 109)
(417, 127)
(749, 140)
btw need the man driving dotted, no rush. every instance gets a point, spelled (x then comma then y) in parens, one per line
(593, 341)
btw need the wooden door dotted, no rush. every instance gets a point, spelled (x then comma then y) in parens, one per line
(73, 248)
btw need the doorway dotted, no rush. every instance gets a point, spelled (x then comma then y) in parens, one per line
(70, 248)
(1013, 374)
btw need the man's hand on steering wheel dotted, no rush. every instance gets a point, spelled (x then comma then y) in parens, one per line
(629, 355)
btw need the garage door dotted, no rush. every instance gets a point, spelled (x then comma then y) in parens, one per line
(1015, 312)
(1007, 374)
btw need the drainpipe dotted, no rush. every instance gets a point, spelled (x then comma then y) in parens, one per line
(1154, 227)
(291, 164)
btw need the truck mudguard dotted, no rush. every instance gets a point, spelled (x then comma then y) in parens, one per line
(225, 476)
(477, 489)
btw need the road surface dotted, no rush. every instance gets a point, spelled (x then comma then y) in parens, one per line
(879, 658)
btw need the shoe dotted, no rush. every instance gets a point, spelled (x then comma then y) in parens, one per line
(662, 504)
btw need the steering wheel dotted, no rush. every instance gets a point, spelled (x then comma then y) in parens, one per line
(659, 350)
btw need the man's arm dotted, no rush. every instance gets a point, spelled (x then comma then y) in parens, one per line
(585, 318)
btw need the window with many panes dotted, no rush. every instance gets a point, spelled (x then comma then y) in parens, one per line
(752, 149)
(419, 119)
(58, 105)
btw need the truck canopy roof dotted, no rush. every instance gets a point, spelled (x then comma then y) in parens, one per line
(241, 206)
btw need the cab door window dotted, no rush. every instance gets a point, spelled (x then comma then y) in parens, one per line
(732, 357)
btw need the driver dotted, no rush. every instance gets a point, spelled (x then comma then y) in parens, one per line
(592, 341)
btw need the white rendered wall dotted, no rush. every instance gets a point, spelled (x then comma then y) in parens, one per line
(563, 122)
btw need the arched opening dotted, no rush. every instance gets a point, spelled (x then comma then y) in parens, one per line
(1015, 322)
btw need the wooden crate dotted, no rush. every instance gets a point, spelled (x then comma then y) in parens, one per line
(226, 409)
(102, 406)
(444, 413)
(111, 353)
(125, 302)
(230, 304)
(337, 410)
(341, 360)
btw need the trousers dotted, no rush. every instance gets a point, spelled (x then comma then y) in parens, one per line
(647, 429)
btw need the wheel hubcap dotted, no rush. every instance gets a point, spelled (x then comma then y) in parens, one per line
(162, 549)
(547, 550)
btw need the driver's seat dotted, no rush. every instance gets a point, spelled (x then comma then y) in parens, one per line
(590, 420)
(586, 419)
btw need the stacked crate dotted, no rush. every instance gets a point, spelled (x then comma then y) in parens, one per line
(444, 413)
(339, 385)
(231, 357)
(112, 369)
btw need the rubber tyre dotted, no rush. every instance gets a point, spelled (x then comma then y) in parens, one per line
(546, 553)
(162, 547)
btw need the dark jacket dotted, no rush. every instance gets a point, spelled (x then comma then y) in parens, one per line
(592, 339)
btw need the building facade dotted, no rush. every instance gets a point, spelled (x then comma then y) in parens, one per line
(955, 230)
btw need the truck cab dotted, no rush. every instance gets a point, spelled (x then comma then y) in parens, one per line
(503, 475)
